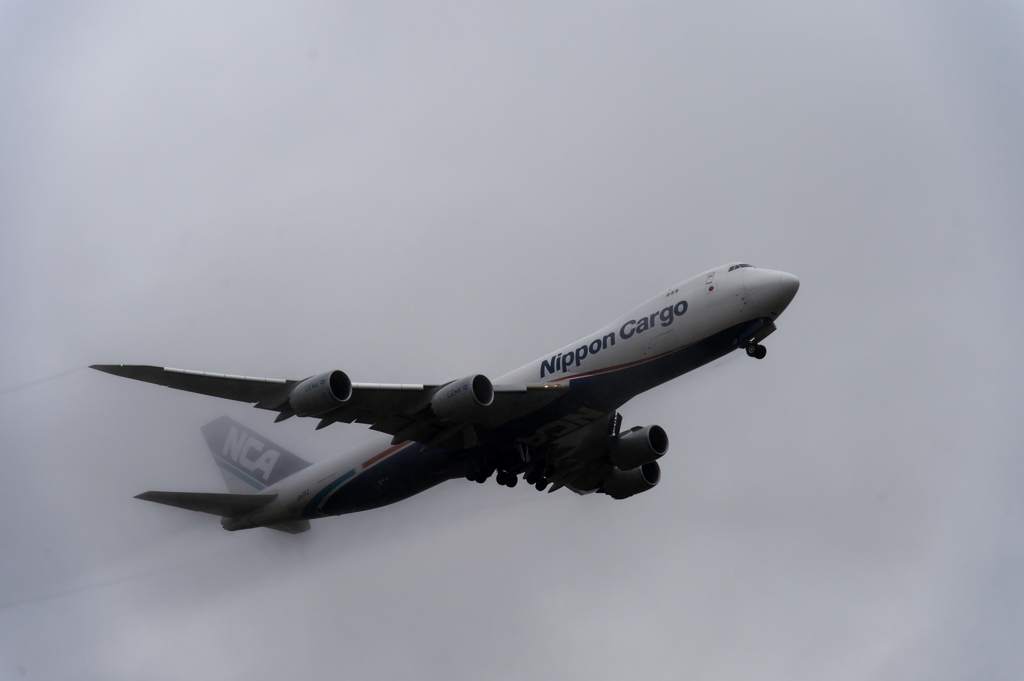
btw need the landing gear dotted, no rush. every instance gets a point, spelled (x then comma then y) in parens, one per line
(537, 479)
(479, 472)
(506, 479)
(757, 351)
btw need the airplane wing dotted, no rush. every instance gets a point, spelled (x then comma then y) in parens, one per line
(599, 457)
(580, 461)
(402, 410)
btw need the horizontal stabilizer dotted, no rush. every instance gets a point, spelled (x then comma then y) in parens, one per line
(291, 526)
(229, 505)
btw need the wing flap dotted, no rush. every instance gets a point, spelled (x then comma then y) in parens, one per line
(513, 401)
(392, 424)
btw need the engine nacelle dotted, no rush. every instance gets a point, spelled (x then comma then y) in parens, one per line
(624, 484)
(639, 445)
(321, 393)
(460, 400)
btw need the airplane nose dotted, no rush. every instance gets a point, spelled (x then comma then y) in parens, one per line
(770, 291)
(788, 286)
(782, 293)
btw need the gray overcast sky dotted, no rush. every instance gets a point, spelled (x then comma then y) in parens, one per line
(413, 192)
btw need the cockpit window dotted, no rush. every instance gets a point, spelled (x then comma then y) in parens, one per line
(736, 267)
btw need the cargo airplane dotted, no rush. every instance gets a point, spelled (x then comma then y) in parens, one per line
(553, 422)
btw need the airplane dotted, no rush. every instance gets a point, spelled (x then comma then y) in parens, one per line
(553, 421)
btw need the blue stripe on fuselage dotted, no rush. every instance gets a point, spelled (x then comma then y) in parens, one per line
(405, 473)
(311, 509)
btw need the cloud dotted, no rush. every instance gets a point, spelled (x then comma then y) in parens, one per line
(413, 193)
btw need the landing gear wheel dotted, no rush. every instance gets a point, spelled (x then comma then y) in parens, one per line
(757, 351)
(511, 480)
(501, 478)
(541, 485)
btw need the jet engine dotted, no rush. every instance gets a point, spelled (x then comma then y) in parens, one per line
(460, 399)
(321, 393)
(638, 446)
(621, 484)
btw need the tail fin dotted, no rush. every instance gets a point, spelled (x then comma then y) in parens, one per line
(248, 461)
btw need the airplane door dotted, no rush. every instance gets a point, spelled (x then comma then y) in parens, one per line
(662, 343)
(712, 295)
